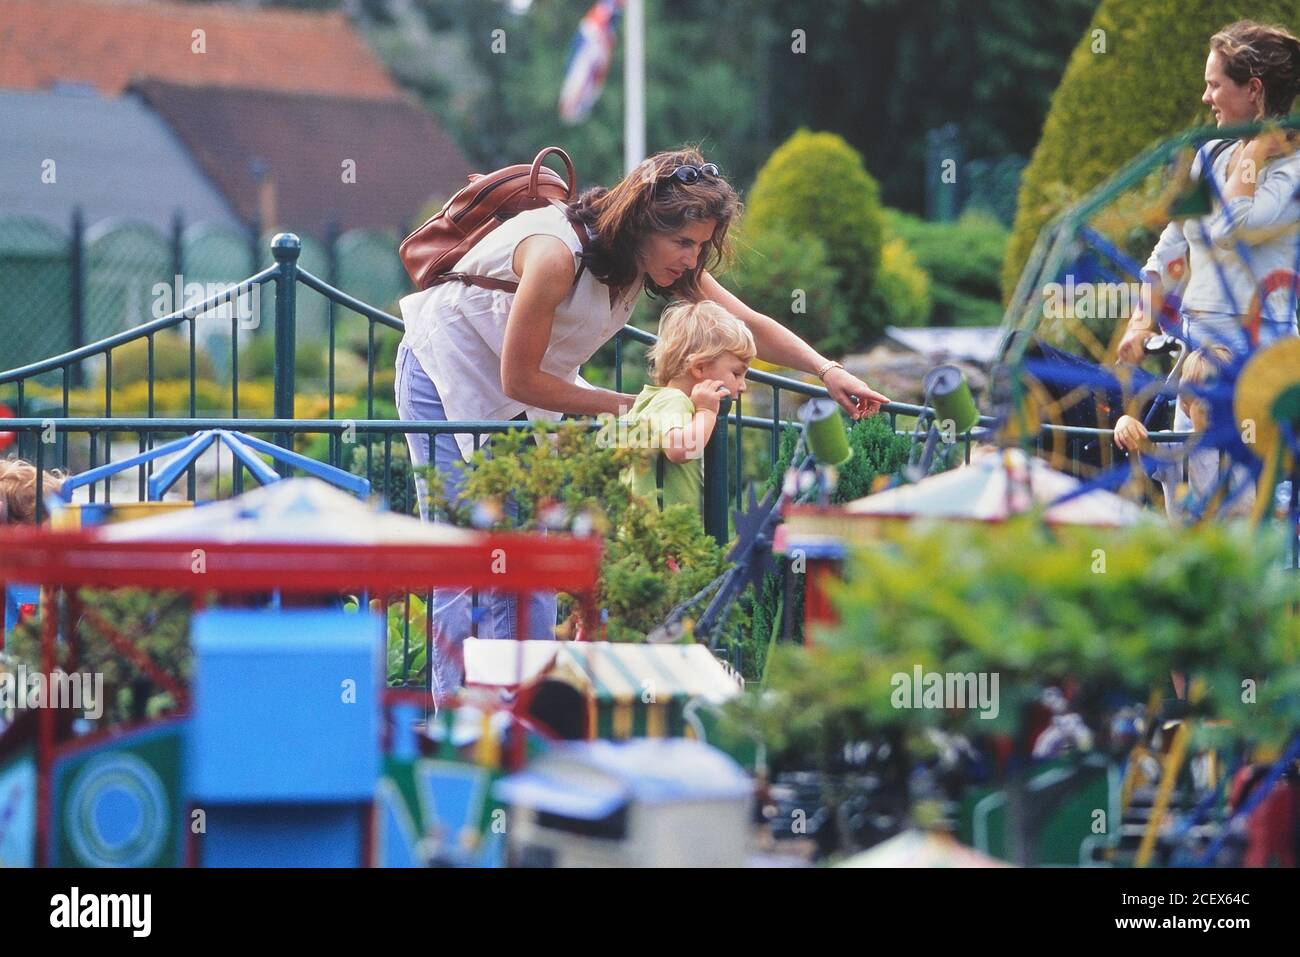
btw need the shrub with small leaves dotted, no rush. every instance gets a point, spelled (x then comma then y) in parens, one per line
(558, 478)
(1025, 602)
(789, 278)
(790, 195)
(155, 622)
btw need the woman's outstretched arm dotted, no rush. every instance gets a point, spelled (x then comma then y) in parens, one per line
(779, 345)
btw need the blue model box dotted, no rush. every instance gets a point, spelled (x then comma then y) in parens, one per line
(284, 835)
(286, 706)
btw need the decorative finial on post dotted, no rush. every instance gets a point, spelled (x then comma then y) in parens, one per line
(285, 247)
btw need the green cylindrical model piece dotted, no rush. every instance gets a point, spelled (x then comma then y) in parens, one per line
(950, 394)
(824, 428)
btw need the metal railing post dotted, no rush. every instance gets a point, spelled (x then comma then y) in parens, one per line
(285, 247)
(178, 247)
(77, 280)
(715, 478)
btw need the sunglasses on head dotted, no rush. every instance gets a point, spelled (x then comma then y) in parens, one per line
(689, 174)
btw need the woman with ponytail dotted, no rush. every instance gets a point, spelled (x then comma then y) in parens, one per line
(1252, 74)
(473, 353)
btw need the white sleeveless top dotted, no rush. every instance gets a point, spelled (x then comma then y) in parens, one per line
(456, 331)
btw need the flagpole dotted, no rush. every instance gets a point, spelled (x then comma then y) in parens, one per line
(634, 86)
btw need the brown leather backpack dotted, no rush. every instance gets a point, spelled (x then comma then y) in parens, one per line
(432, 251)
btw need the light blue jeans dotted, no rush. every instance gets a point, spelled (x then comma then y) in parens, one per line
(454, 613)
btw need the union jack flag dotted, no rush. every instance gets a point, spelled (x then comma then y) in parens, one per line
(589, 56)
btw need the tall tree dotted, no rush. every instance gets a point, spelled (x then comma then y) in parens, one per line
(742, 75)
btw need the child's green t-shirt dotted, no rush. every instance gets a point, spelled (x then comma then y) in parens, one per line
(658, 410)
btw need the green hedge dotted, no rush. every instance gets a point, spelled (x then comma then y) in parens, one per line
(772, 265)
(901, 295)
(964, 262)
(1111, 105)
(833, 244)
(815, 185)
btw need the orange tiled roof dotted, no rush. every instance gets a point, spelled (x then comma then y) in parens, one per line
(109, 43)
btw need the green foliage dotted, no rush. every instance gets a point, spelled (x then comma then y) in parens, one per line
(827, 252)
(257, 360)
(792, 195)
(156, 623)
(638, 586)
(771, 265)
(503, 108)
(876, 451)
(768, 614)
(964, 262)
(1110, 106)
(653, 560)
(171, 360)
(406, 650)
(396, 483)
(1028, 604)
(879, 72)
(885, 72)
(901, 294)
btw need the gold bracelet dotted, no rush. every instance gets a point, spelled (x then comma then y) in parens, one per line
(832, 364)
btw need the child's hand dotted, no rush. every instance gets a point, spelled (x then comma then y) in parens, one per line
(1130, 434)
(709, 395)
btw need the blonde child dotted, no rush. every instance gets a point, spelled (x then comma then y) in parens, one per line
(1200, 368)
(701, 357)
(18, 491)
(18, 507)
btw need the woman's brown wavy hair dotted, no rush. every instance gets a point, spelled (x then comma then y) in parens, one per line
(649, 200)
(1269, 52)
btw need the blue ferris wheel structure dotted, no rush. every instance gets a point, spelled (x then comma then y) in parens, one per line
(1058, 384)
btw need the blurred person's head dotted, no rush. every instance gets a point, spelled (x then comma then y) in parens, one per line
(18, 491)
(699, 341)
(1252, 72)
(1202, 367)
(667, 219)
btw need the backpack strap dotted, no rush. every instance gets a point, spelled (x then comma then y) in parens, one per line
(1215, 152)
(584, 238)
(509, 285)
(469, 279)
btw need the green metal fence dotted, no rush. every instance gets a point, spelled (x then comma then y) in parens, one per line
(52, 434)
(66, 288)
(55, 435)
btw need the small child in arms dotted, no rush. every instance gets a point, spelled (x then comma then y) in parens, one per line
(701, 358)
(1200, 368)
